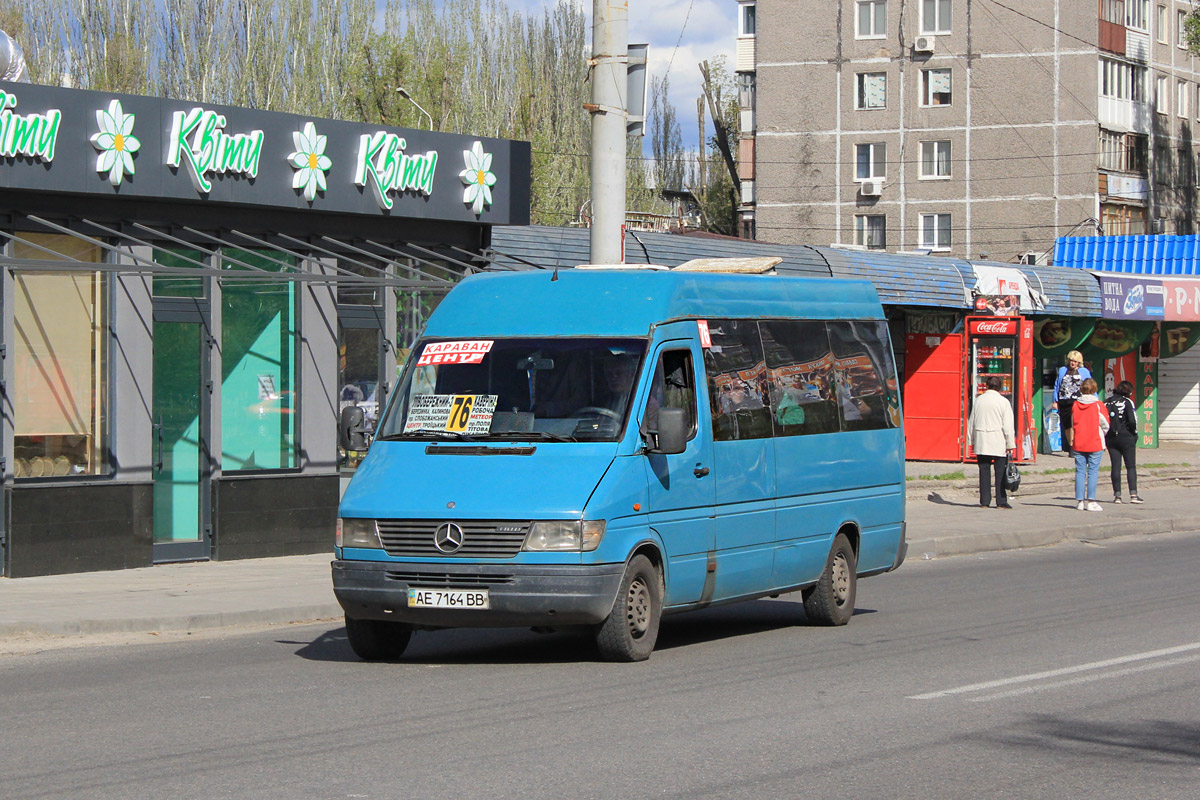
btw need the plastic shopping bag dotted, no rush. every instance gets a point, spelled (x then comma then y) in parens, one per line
(1053, 432)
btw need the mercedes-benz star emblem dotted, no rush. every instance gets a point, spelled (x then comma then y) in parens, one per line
(448, 537)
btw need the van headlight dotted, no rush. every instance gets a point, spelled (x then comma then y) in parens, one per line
(579, 535)
(358, 533)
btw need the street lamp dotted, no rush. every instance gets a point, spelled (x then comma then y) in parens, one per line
(404, 93)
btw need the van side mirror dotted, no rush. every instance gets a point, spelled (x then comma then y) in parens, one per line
(352, 429)
(672, 432)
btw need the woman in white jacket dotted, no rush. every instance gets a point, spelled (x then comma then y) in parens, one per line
(991, 430)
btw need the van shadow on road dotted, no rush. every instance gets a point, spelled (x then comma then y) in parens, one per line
(569, 645)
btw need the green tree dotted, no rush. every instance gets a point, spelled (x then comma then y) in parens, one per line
(1191, 31)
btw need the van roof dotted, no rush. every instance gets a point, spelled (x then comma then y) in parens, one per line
(628, 302)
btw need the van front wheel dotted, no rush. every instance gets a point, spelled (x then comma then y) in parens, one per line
(831, 601)
(376, 640)
(631, 629)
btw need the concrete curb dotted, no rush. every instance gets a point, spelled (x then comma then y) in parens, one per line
(996, 541)
(174, 624)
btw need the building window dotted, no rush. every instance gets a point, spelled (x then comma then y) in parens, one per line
(1123, 152)
(1160, 24)
(258, 363)
(872, 19)
(1161, 102)
(747, 83)
(935, 16)
(935, 87)
(1114, 11)
(1187, 166)
(1183, 92)
(60, 377)
(870, 231)
(935, 231)
(746, 22)
(872, 90)
(1121, 220)
(1121, 81)
(871, 160)
(935, 159)
(1181, 28)
(1137, 14)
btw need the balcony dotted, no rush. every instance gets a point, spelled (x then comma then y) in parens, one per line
(747, 54)
(1137, 46)
(1112, 37)
(1128, 116)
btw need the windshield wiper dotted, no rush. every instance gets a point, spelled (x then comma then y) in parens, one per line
(395, 437)
(550, 437)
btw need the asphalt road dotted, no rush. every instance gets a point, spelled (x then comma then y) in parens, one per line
(1065, 672)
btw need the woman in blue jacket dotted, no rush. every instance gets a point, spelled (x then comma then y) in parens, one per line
(1066, 389)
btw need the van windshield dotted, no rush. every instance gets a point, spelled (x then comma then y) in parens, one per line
(524, 389)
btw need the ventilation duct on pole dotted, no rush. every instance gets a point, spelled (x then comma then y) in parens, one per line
(12, 60)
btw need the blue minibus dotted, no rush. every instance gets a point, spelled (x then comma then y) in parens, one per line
(599, 447)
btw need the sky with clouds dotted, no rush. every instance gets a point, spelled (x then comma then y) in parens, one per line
(681, 34)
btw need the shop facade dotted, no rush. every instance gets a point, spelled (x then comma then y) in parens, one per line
(1150, 294)
(188, 296)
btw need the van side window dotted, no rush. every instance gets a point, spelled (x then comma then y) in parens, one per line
(800, 372)
(739, 397)
(674, 386)
(865, 374)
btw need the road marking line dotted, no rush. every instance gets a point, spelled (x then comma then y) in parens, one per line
(1085, 679)
(1055, 673)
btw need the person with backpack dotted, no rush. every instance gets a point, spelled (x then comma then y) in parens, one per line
(1089, 423)
(1121, 439)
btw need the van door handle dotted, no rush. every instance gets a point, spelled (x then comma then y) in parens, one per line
(700, 472)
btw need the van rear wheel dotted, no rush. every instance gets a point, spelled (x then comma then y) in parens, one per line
(831, 601)
(631, 629)
(376, 640)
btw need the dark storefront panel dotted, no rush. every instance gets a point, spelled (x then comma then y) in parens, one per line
(79, 528)
(274, 515)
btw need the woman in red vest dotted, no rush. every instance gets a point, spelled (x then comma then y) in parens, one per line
(1089, 423)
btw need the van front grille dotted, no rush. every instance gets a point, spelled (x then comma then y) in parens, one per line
(480, 538)
(438, 580)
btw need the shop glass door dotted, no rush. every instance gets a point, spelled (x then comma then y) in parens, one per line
(181, 430)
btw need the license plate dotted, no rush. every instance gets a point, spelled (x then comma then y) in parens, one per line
(471, 599)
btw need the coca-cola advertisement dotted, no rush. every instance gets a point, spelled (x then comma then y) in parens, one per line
(994, 327)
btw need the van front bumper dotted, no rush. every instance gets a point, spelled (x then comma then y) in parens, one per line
(519, 594)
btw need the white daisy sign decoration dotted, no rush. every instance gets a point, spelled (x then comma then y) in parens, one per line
(116, 142)
(309, 161)
(478, 177)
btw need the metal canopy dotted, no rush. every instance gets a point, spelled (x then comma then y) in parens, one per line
(324, 259)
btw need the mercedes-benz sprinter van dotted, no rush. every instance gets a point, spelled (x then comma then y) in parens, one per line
(599, 447)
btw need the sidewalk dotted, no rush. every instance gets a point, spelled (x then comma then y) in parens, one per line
(944, 519)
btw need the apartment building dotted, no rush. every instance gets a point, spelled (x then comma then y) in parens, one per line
(975, 128)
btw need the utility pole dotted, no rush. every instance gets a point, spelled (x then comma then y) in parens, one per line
(610, 25)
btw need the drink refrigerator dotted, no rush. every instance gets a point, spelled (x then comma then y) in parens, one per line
(1003, 346)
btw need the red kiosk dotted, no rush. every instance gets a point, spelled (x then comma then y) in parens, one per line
(945, 372)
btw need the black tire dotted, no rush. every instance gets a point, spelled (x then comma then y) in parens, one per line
(831, 601)
(376, 640)
(631, 629)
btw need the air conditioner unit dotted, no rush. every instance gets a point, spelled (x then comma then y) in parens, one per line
(871, 188)
(924, 44)
(1031, 259)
